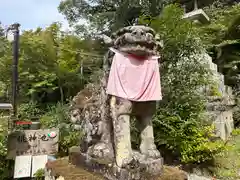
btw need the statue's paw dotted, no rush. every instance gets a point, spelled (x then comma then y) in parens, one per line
(128, 163)
(102, 151)
(151, 152)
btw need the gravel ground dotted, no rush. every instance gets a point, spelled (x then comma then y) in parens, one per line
(70, 172)
(196, 177)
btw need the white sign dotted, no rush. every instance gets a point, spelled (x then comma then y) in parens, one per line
(22, 166)
(38, 162)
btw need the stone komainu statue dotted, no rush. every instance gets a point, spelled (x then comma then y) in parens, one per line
(130, 86)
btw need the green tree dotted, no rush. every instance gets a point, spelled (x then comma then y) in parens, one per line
(180, 122)
(222, 38)
(5, 48)
(222, 17)
(110, 15)
(53, 65)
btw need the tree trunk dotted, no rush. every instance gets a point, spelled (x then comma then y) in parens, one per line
(61, 92)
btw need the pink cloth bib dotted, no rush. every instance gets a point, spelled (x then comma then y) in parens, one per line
(133, 79)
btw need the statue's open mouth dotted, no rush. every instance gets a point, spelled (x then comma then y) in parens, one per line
(138, 41)
(138, 48)
(141, 47)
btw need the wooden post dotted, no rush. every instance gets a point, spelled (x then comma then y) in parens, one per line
(195, 5)
(15, 29)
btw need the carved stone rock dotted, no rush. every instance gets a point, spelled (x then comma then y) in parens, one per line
(106, 146)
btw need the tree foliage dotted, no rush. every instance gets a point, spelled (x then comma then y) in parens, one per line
(222, 37)
(108, 16)
(180, 122)
(50, 64)
(222, 17)
(58, 116)
(5, 165)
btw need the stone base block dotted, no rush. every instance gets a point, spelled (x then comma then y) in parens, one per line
(143, 169)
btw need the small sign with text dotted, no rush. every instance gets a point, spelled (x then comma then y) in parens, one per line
(33, 142)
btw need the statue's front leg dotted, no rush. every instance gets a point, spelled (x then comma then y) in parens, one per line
(121, 110)
(146, 111)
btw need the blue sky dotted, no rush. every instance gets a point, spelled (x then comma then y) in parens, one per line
(30, 13)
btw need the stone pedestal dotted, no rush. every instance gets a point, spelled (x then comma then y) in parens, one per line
(141, 169)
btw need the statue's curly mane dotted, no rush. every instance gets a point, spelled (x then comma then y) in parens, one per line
(139, 40)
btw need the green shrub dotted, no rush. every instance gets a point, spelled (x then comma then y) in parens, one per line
(26, 111)
(187, 138)
(214, 91)
(39, 174)
(58, 116)
(227, 164)
(4, 163)
(180, 124)
(236, 132)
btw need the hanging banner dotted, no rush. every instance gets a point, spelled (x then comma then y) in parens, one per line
(33, 142)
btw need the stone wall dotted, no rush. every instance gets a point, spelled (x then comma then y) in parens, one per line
(221, 106)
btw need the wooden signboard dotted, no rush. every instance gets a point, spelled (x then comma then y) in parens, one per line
(33, 142)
